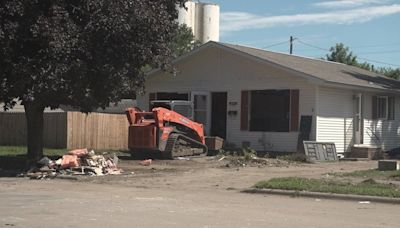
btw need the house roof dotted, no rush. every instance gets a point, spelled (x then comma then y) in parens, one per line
(327, 71)
(334, 73)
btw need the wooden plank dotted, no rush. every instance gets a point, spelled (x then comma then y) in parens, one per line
(98, 131)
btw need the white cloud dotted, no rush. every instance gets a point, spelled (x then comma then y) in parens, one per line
(348, 3)
(237, 21)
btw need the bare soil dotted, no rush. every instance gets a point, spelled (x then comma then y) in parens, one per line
(201, 192)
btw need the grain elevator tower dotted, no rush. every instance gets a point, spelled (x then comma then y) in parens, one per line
(203, 18)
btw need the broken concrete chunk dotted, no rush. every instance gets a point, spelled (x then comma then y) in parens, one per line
(69, 161)
(79, 152)
(146, 162)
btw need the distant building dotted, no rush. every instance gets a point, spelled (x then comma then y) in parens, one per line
(203, 18)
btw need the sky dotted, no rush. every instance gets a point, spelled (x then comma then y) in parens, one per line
(370, 28)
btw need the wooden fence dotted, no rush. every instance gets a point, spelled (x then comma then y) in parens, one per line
(97, 131)
(13, 129)
(69, 130)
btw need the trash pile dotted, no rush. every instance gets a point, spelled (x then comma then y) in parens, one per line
(76, 162)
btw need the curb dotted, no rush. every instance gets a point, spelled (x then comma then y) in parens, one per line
(323, 195)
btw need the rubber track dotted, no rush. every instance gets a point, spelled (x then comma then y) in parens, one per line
(170, 149)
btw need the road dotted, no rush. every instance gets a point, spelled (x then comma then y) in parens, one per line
(176, 195)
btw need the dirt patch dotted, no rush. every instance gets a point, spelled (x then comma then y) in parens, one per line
(212, 173)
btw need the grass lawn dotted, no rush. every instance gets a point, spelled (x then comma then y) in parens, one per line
(368, 187)
(371, 173)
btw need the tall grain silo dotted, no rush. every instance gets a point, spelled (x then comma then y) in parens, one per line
(210, 22)
(187, 16)
(203, 18)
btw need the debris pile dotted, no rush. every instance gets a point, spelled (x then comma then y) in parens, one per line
(76, 162)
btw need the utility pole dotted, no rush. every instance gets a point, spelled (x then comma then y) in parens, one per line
(291, 44)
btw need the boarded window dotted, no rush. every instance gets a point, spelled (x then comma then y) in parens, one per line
(270, 110)
(244, 111)
(391, 106)
(294, 110)
(383, 107)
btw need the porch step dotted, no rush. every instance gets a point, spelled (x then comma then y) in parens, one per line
(365, 151)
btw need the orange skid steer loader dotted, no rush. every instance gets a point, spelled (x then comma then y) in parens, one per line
(164, 132)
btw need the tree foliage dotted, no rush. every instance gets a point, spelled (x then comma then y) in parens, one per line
(184, 41)
(85, 54)
(340, 53)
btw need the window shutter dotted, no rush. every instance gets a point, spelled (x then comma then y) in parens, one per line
(152, 97)
(244, 111)
(294, 110)
(374, 107)
(391, 108)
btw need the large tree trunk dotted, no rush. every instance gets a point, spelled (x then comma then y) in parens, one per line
(34, 119)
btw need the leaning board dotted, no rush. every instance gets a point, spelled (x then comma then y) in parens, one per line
(320, 151)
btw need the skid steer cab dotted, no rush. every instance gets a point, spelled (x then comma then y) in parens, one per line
(185, 108)
(167, 131)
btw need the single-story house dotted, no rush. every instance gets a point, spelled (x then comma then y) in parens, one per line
(260, 98)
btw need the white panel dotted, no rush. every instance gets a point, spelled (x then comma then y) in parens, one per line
(381, 133)
(215, 70)
(335, 117)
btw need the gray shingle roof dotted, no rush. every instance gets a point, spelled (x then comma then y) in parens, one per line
(327, 71)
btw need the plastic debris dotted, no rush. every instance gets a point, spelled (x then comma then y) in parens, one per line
(364, 202)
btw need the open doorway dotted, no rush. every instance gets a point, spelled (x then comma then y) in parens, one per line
(218, 114)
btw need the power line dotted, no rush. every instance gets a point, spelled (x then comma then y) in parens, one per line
(369, 60)
(374, 61)
(379, 52)
(377, 45)
(273, 45)
(311, 45)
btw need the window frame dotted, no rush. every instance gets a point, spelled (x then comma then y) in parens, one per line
(388, 101)
(288, 114)
(379, 115)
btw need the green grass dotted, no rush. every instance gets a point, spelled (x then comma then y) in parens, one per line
(368, 187)
(371, 173)
(7, 151)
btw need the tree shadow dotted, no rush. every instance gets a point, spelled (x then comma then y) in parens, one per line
(385, 82)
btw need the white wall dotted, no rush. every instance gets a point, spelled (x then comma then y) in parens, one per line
(381, 133)
(216, 70)
(335, 117)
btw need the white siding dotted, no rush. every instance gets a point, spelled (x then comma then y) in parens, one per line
(335, 117)
(215, 70)
(382, 133)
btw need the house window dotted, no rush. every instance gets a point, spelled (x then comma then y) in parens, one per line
(383, 107)
(269, 110)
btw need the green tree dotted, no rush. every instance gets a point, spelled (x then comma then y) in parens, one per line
(390, 72)
(85, 54)
(341, 54)
(183, 42)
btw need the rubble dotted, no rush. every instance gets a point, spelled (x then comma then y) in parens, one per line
(146, 162)
(75, 162)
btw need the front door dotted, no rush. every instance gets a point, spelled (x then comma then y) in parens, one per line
(358, 119)
(201, 103)
(218, 114)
